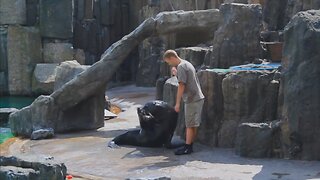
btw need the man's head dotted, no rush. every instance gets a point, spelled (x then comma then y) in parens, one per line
(171, 57)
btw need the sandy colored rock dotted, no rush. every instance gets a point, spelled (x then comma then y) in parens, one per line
(24, 52)
(57, 52)
(13, 12)
(44, 76)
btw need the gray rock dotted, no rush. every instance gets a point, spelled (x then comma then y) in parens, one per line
(195, 55)
(42, 134)
(248, 96)
(86, 35)
(80, 56)
(14, 168)
(212, 114)
(32, 12)
(44, 76)
(150, 51)
(13, 12)
(66, 71)
(274, 14)
(56, 19)
(57, 52)
(150, 58)
(43, 112)
(4, 115)
(24, 52)
(67, 107)
(301, 83)
(238, 38)
(295, 6)
(169, 95)
(12, 172)
(3, 61)
(84, 9)
(258, 140)
(170, 91)
(159, 86)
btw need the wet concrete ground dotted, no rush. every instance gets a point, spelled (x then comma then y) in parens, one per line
(87, 156)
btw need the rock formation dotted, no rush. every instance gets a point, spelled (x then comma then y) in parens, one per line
(237, 39)
(44, 76)
(301, 84)
(43, 113)
(44, 110)
(23, 48)
(250, 96)
(211, 85)
(14, 168)
(258, 140)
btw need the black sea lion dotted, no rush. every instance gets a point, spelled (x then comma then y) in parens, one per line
(158, 122)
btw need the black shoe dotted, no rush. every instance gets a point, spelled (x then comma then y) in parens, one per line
(186, 149)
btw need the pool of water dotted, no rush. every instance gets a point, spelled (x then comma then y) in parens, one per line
(5, 134)
(12, 102)
(15, 101)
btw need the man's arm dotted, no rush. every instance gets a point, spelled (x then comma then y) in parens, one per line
(181, 88)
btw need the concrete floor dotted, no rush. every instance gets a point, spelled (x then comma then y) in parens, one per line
(87, 156)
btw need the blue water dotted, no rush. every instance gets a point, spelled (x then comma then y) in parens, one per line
(249, 67)
(12, 102)
(15, 101)
(258, 67)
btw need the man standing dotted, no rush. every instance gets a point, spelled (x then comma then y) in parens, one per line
(189, 90)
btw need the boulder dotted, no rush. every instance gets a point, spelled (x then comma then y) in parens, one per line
(295, 6)
(150, 57)
(56, 18)
(44, 113)
(212, 114)
(86, 35)
(248, 96)
(301, 83)
(159, 86)
(44, 77)
(274, 14)
(12, 172)
(66, 71)
(195, 55)
(80, 56)
(13, 12)
(258, 140)
(42, 134)
(169, 95)
(57, 52)
(238, 38)
(14, 168)
(24, 52)
(88, 114)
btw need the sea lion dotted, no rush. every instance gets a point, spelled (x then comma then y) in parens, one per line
(158, 122)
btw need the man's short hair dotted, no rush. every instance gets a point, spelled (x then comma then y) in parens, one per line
(170, 53)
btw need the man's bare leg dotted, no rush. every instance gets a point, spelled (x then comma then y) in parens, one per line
(190, 135)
